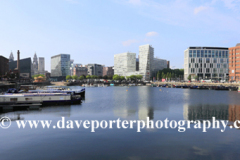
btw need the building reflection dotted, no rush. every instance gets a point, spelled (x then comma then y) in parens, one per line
(205, 111)
(234, 114)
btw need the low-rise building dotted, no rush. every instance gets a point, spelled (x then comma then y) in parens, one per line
(80, 70)
(95, 69)
(108, 71)
(234, 63)
(206, 63)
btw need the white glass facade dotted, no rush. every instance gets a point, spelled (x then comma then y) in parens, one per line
(206, 63)
(124, 62)
(60, 65)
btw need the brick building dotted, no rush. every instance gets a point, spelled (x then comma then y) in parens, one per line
(234, 63)
(108, 71)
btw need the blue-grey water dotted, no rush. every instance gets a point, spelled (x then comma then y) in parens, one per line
(129, 103)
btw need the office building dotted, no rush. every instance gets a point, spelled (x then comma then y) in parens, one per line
(108, 71)
(124, 62)
(79, 70)
(95, 69)
(60, 65)
(234, 63)
(206, 63)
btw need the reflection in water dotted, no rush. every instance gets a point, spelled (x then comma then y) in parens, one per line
(61, 111)
(134, 100)
(234, 114)
(205, 112)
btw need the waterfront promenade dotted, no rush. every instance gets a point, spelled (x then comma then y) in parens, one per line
(197, 84)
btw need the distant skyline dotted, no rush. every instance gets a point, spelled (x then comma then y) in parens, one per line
(93, 31)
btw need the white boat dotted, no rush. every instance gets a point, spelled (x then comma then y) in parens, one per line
(43, 98)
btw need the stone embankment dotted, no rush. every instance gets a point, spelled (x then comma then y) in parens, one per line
(198, 84)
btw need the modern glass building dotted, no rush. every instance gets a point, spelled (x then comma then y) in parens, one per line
(60, 65)
(124, 62)
(206, 63)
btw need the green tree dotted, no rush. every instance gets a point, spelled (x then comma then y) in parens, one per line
(122, 78)
(68, 77)
(139, 77)
(74, 77)
(189, 77)
(116, 77)
(196, 77)
(163, 76)
(88, 77)
(81, 77)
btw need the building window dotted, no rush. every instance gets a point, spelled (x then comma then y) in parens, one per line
(216, 54)
(214, 70)
(211, 65)
(192, 70)
(223, 54)
(202, 53)
(200, 60)
(207, 70)
(198, 53)
(192, 60)
(209, 53)
(221, 60)
(200, 70)
(218, 65)
(204, 65)
(194, 53)
(213, 53)
(215, 60)
(225, 66)
(205, 53)
(196, 65)
(207, 60)
(200, 65)
(220, 54)
(190, 53)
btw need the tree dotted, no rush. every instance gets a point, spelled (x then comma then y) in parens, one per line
(122, 78)
(189, 77)
(163, 76)
(81, 77)
(139, 77)
(196, 77)
(68, 77)
(88, 77)
(116, 77)
(74, 77)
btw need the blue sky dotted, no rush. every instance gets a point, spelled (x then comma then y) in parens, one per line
(92, 31)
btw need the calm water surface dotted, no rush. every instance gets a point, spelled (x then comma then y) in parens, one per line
(130, 103)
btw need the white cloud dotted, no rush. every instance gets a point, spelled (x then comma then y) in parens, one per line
(135, 2)
(200, 9)
(150, 34)
(129, 42)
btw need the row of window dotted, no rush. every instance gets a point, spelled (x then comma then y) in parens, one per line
(200, 65)
(200, 60)
(208, 53)
(207, 70)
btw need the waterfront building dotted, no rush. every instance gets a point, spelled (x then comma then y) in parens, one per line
(146, 61)
(95, 69)
(4, 66)
(124, 63)
(79, 70)
(108, 71)
(206, 63)
(60, 65)
(25, 67)
(234, 63)
(11, 57)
